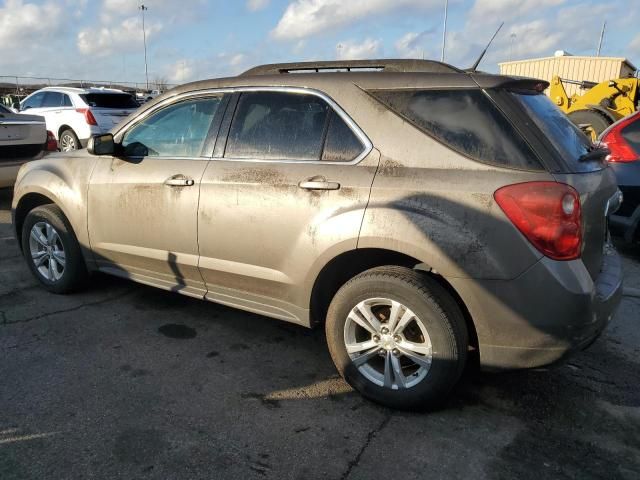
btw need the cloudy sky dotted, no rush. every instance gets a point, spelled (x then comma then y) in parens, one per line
(193, 39)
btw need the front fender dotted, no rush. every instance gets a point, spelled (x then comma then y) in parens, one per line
(62, 180)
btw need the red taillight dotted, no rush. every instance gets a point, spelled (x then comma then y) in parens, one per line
(548, 214)
(621, 151)
(52, 144)
(88, 116)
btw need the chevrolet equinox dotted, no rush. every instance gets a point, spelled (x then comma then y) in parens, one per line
(425, 215)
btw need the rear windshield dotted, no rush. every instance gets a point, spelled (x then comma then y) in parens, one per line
(565, 136)
(109, 100)
(465, 120)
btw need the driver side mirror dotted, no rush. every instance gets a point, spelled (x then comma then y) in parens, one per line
(101, 145)
(16, 106)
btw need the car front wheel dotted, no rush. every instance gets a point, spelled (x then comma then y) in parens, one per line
(398, 337)
(52, 250)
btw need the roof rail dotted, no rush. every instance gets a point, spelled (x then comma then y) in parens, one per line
(387, 65)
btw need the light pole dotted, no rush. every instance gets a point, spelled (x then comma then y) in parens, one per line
(444, 29)
(144, 38)
(513, 38)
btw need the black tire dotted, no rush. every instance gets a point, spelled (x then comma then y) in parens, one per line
(437, 310)
(69, 137)
(74, 275)
(598, 121)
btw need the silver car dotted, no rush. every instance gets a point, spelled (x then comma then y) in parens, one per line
(426, 216)
(22, 138)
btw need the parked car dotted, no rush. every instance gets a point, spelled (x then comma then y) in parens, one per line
(75, 114)
(623, 140)
(427, 216)
(22, 138)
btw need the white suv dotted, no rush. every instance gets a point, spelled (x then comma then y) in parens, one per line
(76, 114)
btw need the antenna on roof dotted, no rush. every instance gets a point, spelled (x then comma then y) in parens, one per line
(475, 65)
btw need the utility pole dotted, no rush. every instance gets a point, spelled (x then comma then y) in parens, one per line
(444, 29)
(144, 37)
(604, 25)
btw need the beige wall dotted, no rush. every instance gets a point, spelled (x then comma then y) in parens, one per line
(594, 69)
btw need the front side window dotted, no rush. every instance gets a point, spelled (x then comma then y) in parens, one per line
(465, 120)
(34, 101)
(178, 130)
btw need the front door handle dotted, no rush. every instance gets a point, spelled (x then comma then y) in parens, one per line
(179, 181)
(318, 183)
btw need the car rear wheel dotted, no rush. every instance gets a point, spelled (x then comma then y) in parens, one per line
(52, 250)
(69, 141)
(397, 337)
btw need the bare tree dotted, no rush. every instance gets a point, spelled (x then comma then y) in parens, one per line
(160, 83)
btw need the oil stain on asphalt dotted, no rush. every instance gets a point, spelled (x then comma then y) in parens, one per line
(175, 330)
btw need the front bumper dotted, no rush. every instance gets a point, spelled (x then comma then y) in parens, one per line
(551, 310)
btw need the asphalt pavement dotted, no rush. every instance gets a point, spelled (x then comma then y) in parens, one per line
(127, 381)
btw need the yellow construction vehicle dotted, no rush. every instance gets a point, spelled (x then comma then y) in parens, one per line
(601, 105)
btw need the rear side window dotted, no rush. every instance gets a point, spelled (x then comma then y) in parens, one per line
(109, 100)
(341, 145)
(631, 133)
(465, 120)
(278, 126)
(52, 99)
(66, 101)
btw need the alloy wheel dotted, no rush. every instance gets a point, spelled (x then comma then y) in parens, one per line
(68, 143)
(47, 251)
(388, 343)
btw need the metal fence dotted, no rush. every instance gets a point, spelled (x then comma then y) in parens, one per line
(18, 85)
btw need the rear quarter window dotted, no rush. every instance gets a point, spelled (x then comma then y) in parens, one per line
(566, 138)
(465, 120)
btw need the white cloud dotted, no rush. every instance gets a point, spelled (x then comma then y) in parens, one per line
(350, 50)
(181, 71)
(103, 41)
(508, 9)
(18, 18)
(255, 5)
(304, 18)
(412, 44)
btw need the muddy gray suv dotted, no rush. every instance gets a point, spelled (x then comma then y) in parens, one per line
(427, 216)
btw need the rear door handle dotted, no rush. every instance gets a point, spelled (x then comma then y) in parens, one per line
(179, 181)
(318, 183)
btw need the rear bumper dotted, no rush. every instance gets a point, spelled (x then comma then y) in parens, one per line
(551, 310)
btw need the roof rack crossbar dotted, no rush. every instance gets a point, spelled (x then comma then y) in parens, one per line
(391, 65)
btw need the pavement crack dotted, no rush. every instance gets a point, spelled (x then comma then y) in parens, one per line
(370, 436)
(66, 310)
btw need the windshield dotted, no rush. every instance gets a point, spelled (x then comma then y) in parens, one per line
(109, 100)
(565, 136)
